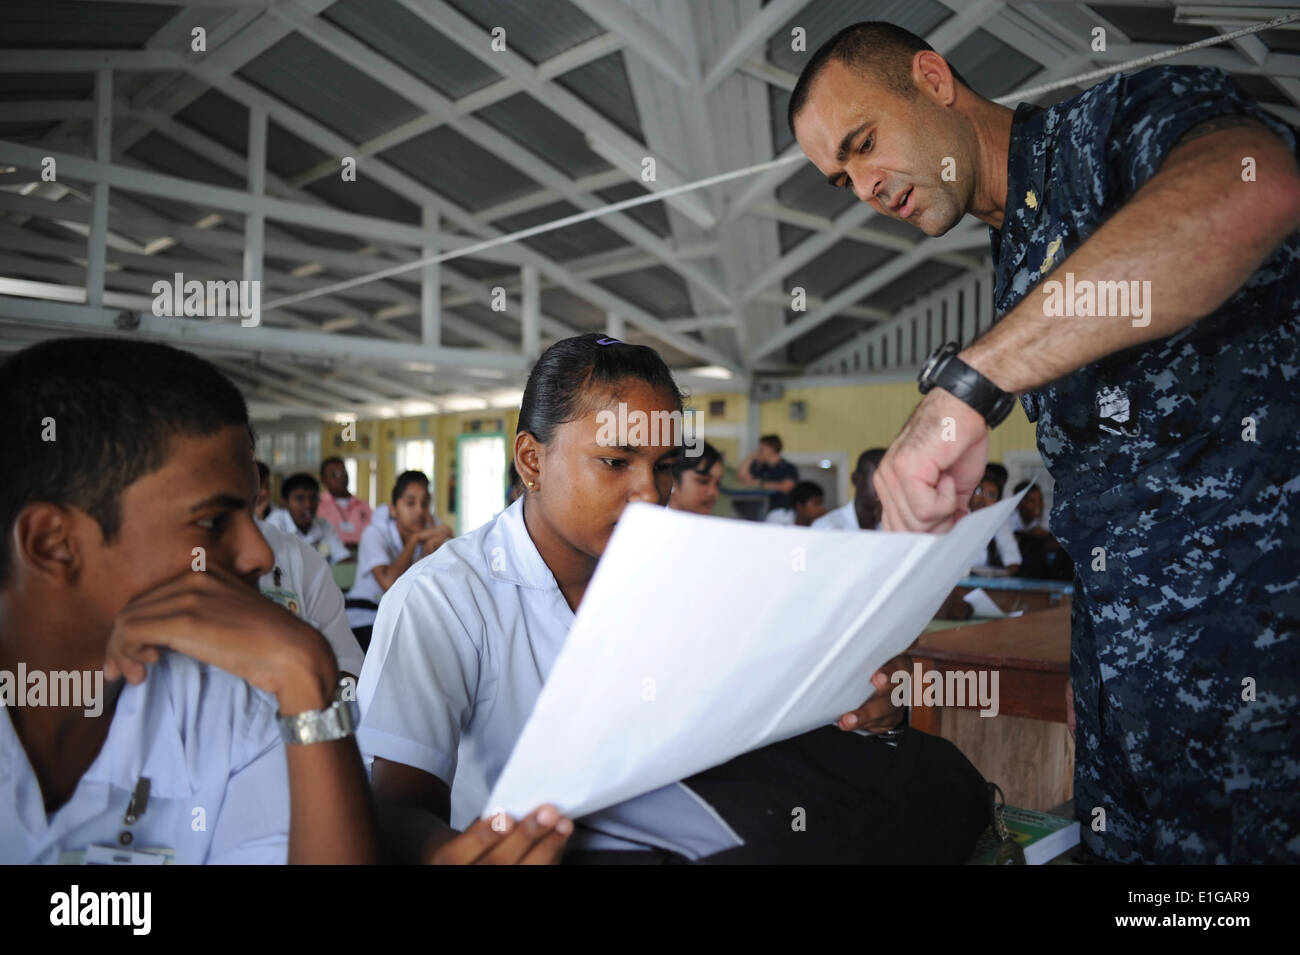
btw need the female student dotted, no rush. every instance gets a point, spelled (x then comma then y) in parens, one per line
(391, 543)
(464, 641)
(697, 481)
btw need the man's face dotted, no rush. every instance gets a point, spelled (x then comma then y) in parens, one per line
(335, 476)
(984, 495)
(890, 150)
(411, 511)
(302, 503)
(768, 454)
(193, 512)
(809, 511)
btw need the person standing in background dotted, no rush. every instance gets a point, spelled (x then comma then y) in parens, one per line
(768, 471)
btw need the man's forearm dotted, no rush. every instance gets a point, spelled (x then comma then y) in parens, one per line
(1195, 232)
(332, 820)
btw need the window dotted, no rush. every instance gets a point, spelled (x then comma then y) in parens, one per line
(415, 454)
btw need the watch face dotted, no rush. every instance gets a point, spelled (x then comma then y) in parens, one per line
(931, 367)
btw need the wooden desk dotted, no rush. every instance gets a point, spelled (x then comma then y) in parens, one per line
(1026, 748)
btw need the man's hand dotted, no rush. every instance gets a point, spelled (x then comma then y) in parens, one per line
(878, 714)
(537, 840)
(926, 478)
(216, 618)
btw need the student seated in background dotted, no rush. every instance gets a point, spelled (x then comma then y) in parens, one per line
(390, 546)
(129, 551)
(301, 582)
(1043, 556)
(347, 513)
(863, 512)
(301, 496)
(262, 506)
(807, 504)
(697, 481)
(464, 641)
(1003, 552)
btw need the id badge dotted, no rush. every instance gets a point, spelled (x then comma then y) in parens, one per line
(285, 598)
(116, 855)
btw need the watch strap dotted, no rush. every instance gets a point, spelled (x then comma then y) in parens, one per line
(336, 721)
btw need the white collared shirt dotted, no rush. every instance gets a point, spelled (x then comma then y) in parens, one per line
(306, 587)
(843, 518)
(782, 515)
(461, 647)
(320, 536)
(218, 780)
(1018, 523)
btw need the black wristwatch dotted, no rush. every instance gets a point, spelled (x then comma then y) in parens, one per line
(943, 369)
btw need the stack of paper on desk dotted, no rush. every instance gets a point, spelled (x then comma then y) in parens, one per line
(701, 638)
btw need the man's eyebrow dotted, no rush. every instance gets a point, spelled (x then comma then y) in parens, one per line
(231, 502)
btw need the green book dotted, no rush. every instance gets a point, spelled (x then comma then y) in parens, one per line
(1041, 835)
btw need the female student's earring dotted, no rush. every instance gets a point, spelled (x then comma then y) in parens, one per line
(532, 484)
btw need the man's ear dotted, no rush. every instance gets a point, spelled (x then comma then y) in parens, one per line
(528, 458)
(933, 77)
(44, 542)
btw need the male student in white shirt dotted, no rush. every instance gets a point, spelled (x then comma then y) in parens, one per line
(863, 511)
(130, 556)
(1003, 551)
(301, 582)
(300, 494)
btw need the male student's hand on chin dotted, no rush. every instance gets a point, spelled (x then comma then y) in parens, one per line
(219, 619)
(878, 714)
(537, 839)
(927, 476)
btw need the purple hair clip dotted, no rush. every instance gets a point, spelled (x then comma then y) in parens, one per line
(608, 341)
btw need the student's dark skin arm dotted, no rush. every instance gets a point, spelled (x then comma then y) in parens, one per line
(414, 807)
(1196, 231)
(216, 618)
(743, 474)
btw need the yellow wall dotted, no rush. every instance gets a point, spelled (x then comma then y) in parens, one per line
(845, 419)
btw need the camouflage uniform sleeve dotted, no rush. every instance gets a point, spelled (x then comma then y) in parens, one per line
(1156, 108)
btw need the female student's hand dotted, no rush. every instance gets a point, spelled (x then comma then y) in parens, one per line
(219, 619)
(498, 840)
(878, 714)
(434, 537)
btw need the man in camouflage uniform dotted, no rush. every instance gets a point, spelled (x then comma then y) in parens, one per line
(1171, 432)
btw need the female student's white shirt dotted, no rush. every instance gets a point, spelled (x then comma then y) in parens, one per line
(379, 546)
(460, 649)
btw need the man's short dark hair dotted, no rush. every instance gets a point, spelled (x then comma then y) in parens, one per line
(804, 492)
(881, 50)
(87, 417)
(773, 441)
(872, 457)
(263, 472)
(327, 462)
(300, 481)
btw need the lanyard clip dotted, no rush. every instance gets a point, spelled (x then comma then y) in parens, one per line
(139, 802)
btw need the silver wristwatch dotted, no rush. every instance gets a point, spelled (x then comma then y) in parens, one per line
(335, 721)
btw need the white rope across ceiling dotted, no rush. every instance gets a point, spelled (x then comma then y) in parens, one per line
(661, 194)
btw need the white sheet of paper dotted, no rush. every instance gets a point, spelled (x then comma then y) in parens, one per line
(982, 605)
(702, 638)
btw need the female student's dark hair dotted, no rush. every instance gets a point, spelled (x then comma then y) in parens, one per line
(85, 417)
(263, 472)
(406, 478)
(708, 457)
(556, 383)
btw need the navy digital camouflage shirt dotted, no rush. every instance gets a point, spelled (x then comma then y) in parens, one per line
(1177, 470)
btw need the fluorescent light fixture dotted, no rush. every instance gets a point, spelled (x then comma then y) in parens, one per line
(825, 464)
(507, 398)
(463, 403)
(387, 411)
(411, 408)
(1221, 15)
(419, 366)
(710, 371)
